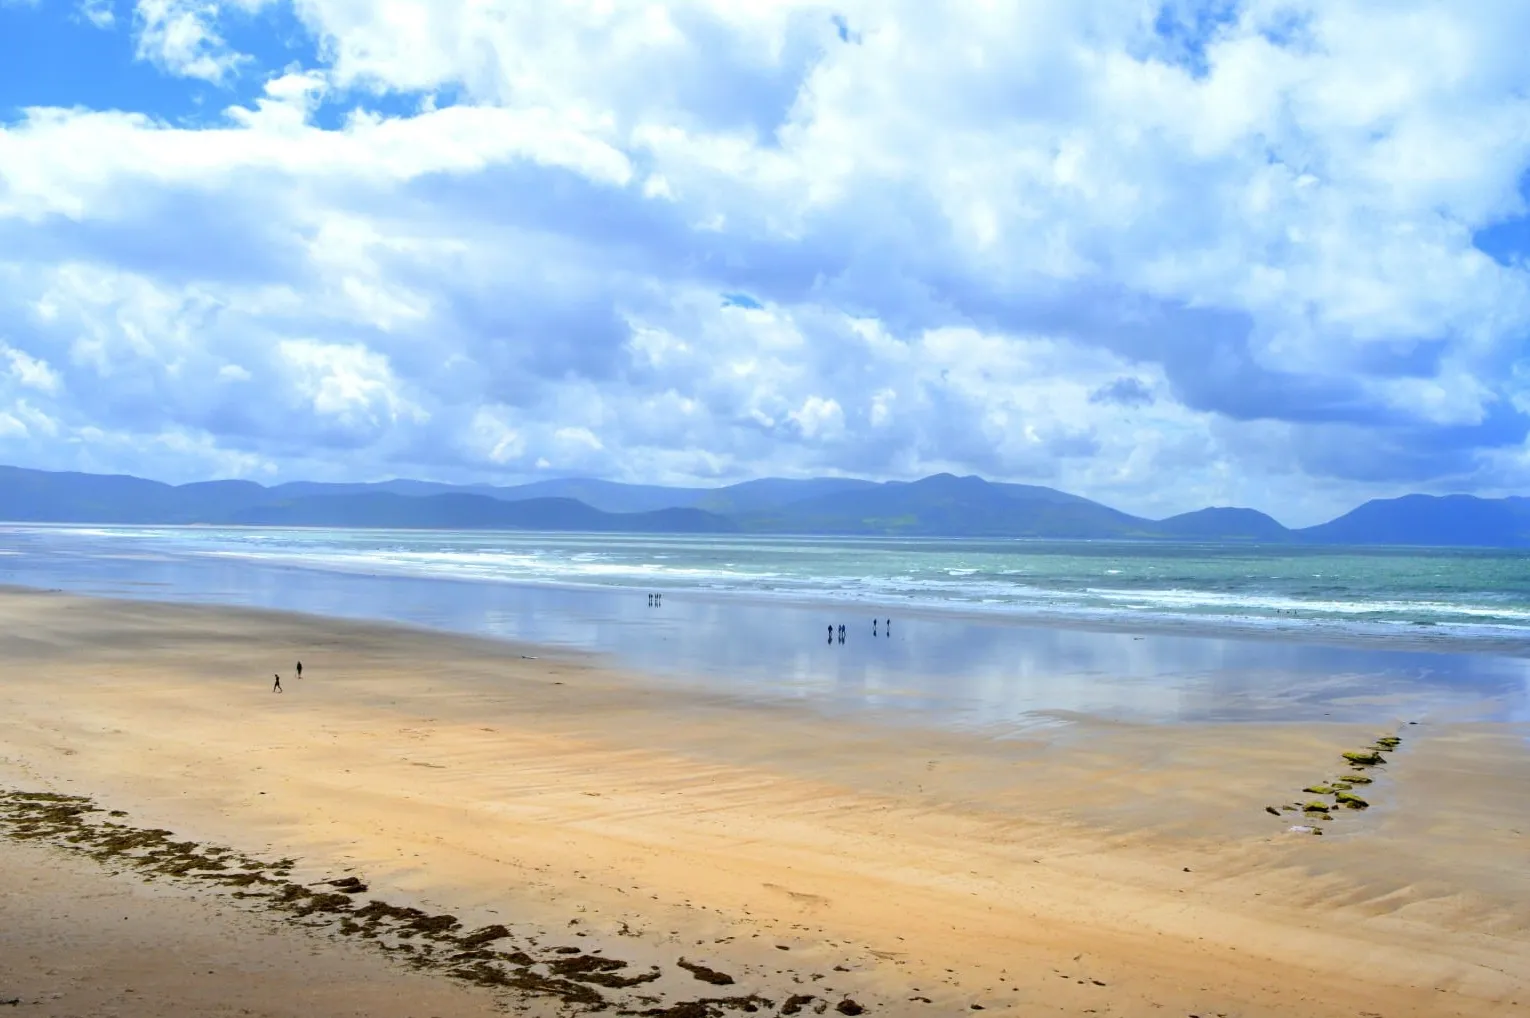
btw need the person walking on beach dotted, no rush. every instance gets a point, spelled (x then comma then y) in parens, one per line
(300, 669)
(276, 687)
(831, 634)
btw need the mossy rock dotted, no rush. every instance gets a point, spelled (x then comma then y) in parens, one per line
(1355, 779)
(1316, 807)
(1351, 800)
(1318, 790)
(1389, 741)
(1365, 758)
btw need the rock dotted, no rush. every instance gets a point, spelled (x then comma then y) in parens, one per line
(1351, 800)
(848, 1006)
(710, 975)
(1318, 790)
(1315, 807)
(1272, 811)
(479, 938)
(1366, 758)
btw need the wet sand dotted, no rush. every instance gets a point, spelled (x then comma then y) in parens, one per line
(1087, 867)
(79, 941)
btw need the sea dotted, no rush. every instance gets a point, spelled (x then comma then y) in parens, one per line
(1001, 634)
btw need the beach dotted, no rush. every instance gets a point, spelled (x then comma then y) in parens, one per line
(1089, 866)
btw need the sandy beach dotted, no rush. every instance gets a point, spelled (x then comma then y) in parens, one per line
(1084, 868)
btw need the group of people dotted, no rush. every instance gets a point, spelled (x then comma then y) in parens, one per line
(276, 687)
(885, 624)
(655, 600)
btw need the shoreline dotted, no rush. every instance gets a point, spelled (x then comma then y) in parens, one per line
(1449, 638)
(454, 775)
(965, 671)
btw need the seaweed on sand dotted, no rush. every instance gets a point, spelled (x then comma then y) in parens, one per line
(420, 939)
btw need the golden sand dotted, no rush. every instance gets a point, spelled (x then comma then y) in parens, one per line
(1088, 868)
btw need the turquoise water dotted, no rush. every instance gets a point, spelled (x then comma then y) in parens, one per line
(985, 633)
(1460, 595)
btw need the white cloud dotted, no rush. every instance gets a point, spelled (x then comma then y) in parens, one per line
(351, 384)
(952, 232)
(99, 13)
(29, 372)
(181, 37)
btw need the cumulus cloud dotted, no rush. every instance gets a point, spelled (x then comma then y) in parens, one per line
(1093, 244)
(182, 38)
(99, 13)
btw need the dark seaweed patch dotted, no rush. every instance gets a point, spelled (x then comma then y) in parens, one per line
(413, 936)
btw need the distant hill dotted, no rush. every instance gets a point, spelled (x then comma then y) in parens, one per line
(939, 506)
(1458, 520)
(46, 497)
(460, 511)
(1224, 524)
(607, 496)
(771, 493)
(946, 505)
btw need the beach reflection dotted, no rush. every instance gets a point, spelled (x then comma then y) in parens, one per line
(949, 669)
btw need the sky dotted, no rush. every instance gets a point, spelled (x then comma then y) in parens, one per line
(1162, 253)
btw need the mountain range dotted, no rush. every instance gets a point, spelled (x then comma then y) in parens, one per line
(938, 506)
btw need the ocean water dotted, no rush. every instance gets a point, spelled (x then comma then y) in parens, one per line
(985, 632)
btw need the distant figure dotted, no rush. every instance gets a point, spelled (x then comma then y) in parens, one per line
(650, 600)
(873, 627)
(300, 669)
(276, 687)
(841, 634)
(658, 599)
(831, 634)
(888, 629)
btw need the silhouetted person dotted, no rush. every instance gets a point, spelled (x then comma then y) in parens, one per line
(300, 669)
(658, 599)
(888, 630)
(841, 634)
(650, 600)
(873, 627)
(276, 687)
(831, 634)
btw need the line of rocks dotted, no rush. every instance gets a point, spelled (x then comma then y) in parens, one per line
(1341, 788)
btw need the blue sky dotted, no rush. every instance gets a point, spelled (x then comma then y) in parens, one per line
(1163, 253)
